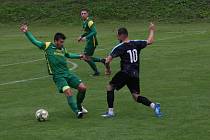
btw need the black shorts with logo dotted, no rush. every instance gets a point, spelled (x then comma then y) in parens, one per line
(121, 79)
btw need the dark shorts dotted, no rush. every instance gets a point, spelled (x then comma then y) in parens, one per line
(121, 79)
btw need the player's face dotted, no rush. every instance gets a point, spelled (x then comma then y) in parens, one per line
(84, 15)
(59, 43)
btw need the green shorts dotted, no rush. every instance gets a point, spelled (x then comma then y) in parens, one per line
(70, 81)
(90, 47)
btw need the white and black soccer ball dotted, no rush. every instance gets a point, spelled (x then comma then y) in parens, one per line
(41, 115)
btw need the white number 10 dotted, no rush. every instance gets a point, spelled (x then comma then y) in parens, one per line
(133, 55)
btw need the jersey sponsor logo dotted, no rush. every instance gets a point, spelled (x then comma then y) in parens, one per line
(58, 53)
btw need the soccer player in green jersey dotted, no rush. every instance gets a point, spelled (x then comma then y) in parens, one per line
(56, 56)
(91, 42)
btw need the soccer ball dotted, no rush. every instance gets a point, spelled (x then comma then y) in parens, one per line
(41, 115)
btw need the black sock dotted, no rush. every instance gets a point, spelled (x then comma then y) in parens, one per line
(110, 98)
(143, 100)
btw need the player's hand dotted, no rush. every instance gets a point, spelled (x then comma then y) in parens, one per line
(79, 39)
(152, 26)
(108, 59)
(23, 28)
(82, 57)
(83, 39)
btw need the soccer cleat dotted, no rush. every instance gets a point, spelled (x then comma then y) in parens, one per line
(108, 115)
(79, 114)
(84, 111)
(157, 110)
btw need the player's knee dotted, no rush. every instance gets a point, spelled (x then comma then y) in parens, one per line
(68, 92)
(135, 96)
(109, 88)
(82, 87)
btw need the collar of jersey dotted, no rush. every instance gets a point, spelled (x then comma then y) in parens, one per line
(54, 47)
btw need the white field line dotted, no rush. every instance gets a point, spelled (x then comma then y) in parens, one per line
(74, 66)
(24, 62)
(182, 35)
(31, 61)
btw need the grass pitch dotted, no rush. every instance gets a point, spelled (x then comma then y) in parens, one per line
(174, 72)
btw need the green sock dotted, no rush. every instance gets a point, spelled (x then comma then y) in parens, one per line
(72, 104)
(80, 98)
(92, 65)
(96, 59)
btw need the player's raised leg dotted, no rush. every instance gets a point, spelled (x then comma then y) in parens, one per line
(93, 66)
(102, 60)
(145, 101)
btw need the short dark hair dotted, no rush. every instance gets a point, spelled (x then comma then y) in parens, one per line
(84, 10)
(122, 31)
(59, 36)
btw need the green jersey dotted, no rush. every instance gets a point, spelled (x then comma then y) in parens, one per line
(56, 58)
(90, 31)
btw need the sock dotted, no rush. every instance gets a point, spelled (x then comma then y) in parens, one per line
(96, 59)
(110, 98)
(111, 110)
(152, 105)
(72, 104)
(80, 98)
(143, 100)
(93, 65)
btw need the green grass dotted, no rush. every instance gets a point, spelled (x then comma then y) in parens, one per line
(67, 11)
(174, 72)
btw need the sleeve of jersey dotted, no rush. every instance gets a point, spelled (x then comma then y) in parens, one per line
(92, 30)
(71, 55)
(33, 40)
(141, 43)
(116, 51)
(83, 35)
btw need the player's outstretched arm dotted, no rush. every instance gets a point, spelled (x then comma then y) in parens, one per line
(150, 38)
(29, 35)
(74, 56)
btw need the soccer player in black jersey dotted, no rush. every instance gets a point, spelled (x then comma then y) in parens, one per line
(129, 53)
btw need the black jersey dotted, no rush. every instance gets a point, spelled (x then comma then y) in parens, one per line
(129, 52)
